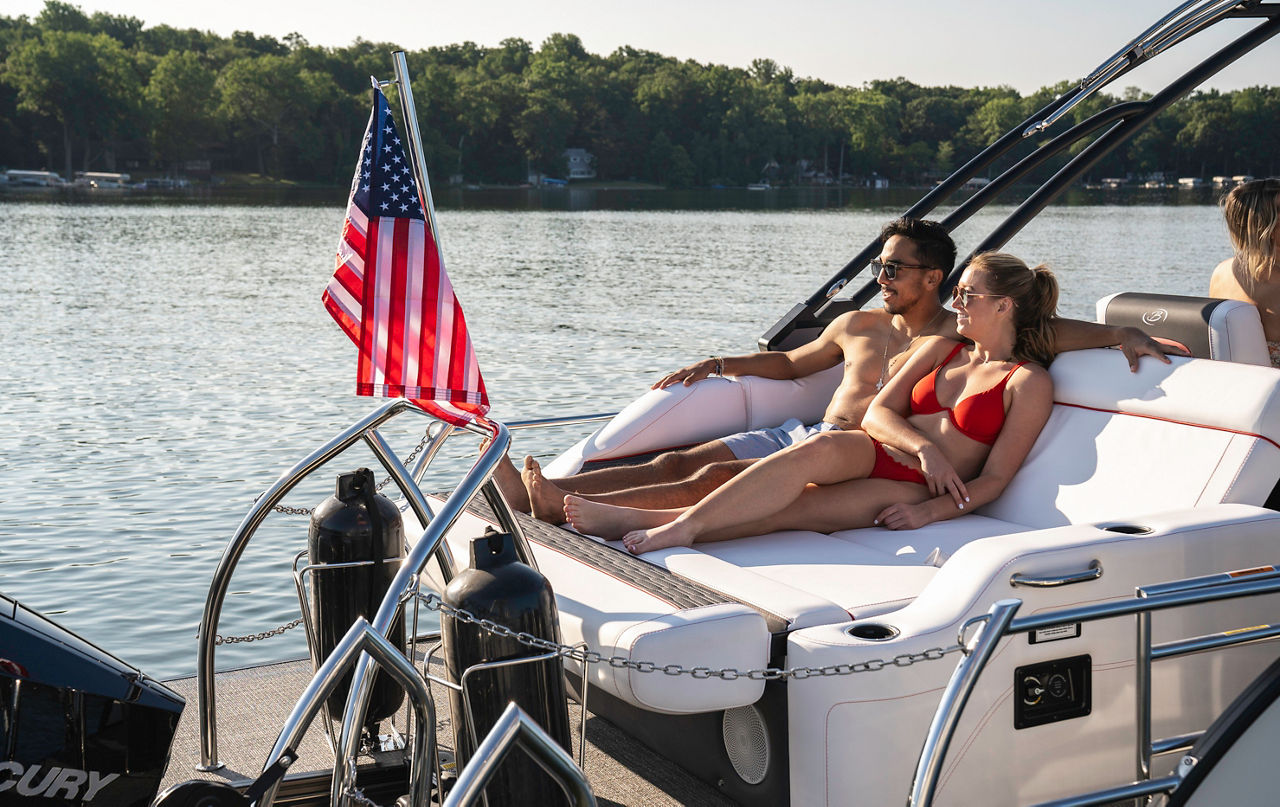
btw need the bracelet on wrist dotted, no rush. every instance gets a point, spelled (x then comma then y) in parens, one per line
(719, 370)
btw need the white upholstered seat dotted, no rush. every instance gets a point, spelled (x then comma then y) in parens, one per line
(1118, 445)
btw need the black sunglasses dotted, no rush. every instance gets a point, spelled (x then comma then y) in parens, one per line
(891, 268)
(963, 296)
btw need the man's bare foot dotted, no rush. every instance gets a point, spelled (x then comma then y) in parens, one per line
(609, 521)
(545, 499)
(507, 477)
(677, 533)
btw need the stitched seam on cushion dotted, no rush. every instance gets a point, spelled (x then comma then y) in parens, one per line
(1253, 447)
(1169, 420)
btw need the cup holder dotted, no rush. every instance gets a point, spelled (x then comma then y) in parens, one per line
(1128, 529)
(873, 631)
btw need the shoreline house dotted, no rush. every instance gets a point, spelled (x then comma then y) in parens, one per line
(582, 163)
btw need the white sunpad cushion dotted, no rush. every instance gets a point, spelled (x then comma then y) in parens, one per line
(933, 543)
(859, 579)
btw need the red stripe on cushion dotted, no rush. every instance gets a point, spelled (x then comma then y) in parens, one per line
(1171, 420)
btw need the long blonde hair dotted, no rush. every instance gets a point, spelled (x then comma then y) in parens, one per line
(1034, 293)
(1251, 213)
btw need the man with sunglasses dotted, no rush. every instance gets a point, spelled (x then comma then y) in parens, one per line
(915, 258)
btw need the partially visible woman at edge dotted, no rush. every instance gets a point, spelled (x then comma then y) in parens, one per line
(916, 460)
(1252, 211)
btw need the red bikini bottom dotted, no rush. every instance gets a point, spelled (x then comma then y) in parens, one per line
(887, 467)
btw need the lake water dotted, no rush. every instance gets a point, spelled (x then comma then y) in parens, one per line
(165, 362)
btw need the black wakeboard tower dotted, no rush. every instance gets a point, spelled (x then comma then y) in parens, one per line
(1121, 121)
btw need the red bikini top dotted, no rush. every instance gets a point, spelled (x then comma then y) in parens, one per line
(979, 417)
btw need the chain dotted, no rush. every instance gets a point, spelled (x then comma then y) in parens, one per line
(306, 511)
(434, 603)
(257, 637)
(412, 456)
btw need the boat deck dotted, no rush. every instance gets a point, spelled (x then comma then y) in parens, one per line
(254, 702)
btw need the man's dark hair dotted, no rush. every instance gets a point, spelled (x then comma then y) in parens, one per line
(932, 241)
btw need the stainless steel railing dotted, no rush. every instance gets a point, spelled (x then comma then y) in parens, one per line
(361, 640)
(1182, 22)
(999, 623)
(512, 729)
(478, 479)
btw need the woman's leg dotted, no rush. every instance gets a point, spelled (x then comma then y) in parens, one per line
(612, 521)
(829, 508)
(764, 489)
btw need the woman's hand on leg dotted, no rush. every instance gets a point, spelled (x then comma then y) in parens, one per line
(904, 516)
(941, 475)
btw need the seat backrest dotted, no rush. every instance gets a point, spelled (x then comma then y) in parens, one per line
(1207, 327)
(1170, 436)
(682, 416)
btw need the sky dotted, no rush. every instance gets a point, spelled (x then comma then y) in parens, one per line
(1026, 44)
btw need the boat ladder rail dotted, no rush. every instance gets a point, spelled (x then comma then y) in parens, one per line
(513, 729)
(478, 480)
(1000, 622)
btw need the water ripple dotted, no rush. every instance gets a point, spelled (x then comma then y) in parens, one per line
(176, 359)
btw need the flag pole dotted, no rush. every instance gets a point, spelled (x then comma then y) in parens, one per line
(416, 159)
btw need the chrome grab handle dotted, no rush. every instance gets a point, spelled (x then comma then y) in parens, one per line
(516, 729)
(1092, 573)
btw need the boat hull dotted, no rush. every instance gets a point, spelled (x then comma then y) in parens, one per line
(77, 726)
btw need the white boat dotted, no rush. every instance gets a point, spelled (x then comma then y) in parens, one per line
(101, 179)
(802, 668)
(34, 179)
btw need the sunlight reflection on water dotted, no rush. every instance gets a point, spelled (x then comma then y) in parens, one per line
(166, 363)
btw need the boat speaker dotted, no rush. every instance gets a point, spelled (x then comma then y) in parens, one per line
(746, 741)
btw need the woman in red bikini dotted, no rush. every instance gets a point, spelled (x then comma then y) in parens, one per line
(943, 437)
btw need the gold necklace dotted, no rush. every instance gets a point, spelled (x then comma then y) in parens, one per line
(884, 363)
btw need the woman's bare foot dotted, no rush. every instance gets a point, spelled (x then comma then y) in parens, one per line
(507, 477)
(545, 499)
(609, 520)
(677, 533)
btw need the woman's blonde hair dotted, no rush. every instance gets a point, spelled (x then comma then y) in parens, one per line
(1251, 213)
(1034, 293)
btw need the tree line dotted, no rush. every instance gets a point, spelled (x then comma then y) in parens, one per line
(100, 91)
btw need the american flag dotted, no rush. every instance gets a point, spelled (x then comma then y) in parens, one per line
(390, 292)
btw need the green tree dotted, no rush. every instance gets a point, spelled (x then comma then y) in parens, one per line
(86, 83)
(993, 119)
(1208, 133)
(125, 30)
(272, 101)
(542, 129)
(669, 163)
(872, 121)
(59, 16)
(182, 118)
